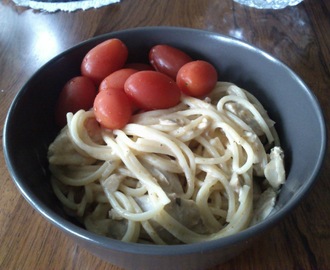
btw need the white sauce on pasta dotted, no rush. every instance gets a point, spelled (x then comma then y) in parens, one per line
(201, 170)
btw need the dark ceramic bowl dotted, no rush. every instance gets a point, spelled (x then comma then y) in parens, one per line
(30, 128)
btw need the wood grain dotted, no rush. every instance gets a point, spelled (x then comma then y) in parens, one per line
(298, 36)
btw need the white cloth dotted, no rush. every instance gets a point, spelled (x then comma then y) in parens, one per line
(269, 4)
(64, 6)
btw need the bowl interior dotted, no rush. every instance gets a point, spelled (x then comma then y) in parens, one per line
(30, 127)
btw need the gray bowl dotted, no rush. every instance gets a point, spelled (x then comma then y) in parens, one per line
(29, 129)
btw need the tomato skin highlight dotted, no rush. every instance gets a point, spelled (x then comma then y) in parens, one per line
(152, 90)
(78, 93)
(103, 59)
(112, 109)
(197, 78)
(168, 59)
(116, 79)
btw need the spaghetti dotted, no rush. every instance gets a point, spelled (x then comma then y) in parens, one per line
(198, 171)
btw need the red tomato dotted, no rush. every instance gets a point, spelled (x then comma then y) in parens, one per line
(104, 59)
(116, 79)
(197, 78)
(167, 59)
(112, 109)
(78, 93)
(139, 66)
(152, 90)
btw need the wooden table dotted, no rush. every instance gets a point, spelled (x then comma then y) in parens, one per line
(299, 36)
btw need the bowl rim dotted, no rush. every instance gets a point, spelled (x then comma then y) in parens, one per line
(150, 249)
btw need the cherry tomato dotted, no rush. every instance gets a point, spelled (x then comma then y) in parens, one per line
(78, 93)
(197, 78)
(117, 79)
(139, 66)
(152, 90)
(112, 109)
(104, 59)
(168, 59)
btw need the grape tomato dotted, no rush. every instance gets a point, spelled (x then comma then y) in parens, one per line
(78, 93)
(126, 87)
(117, 79)
(152, 90)
(139, 66)
(197, 78)
(103, 59)
(112, 109)
(168, 59)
